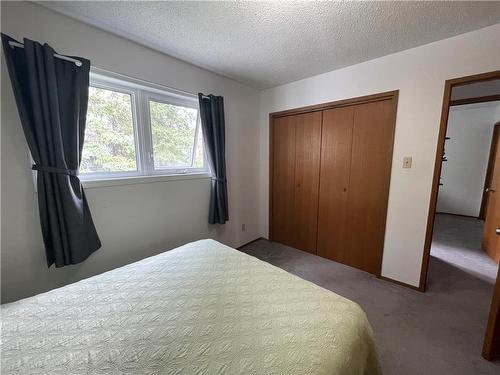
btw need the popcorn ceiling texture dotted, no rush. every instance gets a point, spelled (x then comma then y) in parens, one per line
(265, 44)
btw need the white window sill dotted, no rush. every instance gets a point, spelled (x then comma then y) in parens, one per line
(134, 180)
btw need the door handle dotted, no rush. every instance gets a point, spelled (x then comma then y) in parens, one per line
(497, 231)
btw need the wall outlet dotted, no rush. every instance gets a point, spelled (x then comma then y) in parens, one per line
(407, 162)
(243, 227)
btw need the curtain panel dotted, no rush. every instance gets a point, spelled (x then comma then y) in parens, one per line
(213, 128)
(51, 95)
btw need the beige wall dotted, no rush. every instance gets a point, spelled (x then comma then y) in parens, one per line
(419, 74)
(134, 221)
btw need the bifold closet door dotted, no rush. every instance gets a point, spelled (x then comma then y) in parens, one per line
(356, 159)
(283, 180)
(372, 144)
(296, 160)
(307, 162)
(336, 149)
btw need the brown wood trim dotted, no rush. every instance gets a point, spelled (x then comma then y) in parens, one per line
(336, 104)
(489, 171)
(399, 283)
(488, 76)
(319, 178)
(448, 85)
(435, 186)
(491, 345)
(248, 243)
(271, 167)
(389, 95)
(479, 99)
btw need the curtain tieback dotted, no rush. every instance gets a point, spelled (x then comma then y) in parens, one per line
(42, 168)
(219, 179)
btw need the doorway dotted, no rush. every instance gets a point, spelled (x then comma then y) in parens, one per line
(464, 210)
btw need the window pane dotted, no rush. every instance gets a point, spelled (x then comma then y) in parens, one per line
(199, 157)
(173, 130)
(109, 135)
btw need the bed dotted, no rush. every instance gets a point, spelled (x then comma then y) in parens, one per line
(202, 308)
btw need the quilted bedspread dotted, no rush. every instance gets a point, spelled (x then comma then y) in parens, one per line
(202, 308)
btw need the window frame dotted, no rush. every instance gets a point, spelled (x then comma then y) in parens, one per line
(141, 92)
(162, 99)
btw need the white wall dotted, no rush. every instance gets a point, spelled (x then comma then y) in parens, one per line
(419, 74)
(134, 221)
(470, 128)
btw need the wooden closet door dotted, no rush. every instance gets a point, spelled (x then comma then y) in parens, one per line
(296, 159)
(372, 143)
(283, 180)
(307, 162)
(335, 169)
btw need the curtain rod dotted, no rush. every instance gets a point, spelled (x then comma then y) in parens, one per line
(62, 57)
(143, 82)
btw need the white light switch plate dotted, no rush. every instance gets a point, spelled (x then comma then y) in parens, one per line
(407, 162)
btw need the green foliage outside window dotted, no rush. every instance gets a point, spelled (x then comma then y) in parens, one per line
(109, 135)
(173, 130)
(110, 141)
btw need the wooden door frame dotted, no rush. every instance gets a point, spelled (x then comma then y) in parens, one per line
(477, 99)
(388, 95)
(489, 170)
(491, 338)
(448, 85)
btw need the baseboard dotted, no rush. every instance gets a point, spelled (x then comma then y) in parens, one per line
(460, 215)
(400, 283)
(248, 243)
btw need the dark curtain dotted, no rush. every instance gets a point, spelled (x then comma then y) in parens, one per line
(51, 96)
(212, 124)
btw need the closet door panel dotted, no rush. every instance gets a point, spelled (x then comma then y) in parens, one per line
(283, 184)
(373, 135)
(334, 182)
(307, 162)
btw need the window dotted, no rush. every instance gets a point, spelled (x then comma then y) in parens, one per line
(137, 129)
(174, 135)
(109, 135)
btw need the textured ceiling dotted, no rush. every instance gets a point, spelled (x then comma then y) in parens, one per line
(266, 44)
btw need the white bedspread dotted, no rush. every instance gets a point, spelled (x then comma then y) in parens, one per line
(202, 308)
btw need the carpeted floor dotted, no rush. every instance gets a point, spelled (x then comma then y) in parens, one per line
(457, 241)
(437, 332)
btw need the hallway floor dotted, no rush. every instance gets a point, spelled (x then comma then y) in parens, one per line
(457, 241)
(437, 332)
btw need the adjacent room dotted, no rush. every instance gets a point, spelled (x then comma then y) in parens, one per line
(255, 187)
(463, 234)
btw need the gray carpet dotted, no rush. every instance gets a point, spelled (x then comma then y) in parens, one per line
(457, 241)
(437, 332)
